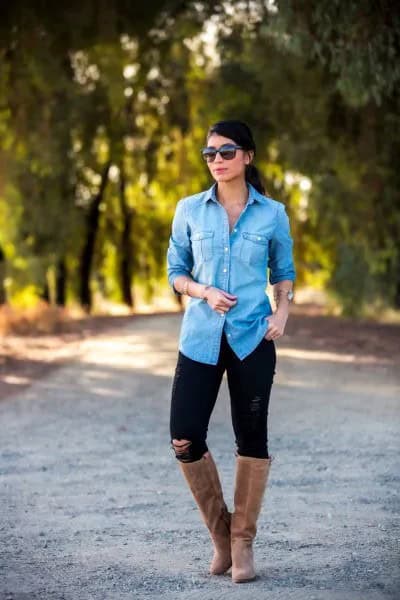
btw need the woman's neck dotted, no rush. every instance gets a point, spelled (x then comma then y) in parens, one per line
(232, 193)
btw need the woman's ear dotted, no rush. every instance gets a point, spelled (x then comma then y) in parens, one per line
(249, 156)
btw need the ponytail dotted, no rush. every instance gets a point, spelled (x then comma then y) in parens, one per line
(252, 176)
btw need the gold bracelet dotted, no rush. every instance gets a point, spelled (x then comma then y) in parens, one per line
(185, 287)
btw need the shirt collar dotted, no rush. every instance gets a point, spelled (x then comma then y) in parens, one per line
(254, 195)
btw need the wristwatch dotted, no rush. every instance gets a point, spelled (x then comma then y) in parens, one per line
(289, 294)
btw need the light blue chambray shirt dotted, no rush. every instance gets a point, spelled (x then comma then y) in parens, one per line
(201, 246)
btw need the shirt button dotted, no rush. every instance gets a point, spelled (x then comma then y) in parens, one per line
(259, 238)
(225, 270)
(226, 248)
(229, 335)
(235, 230)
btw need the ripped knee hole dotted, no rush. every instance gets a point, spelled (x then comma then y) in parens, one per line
(181, 448)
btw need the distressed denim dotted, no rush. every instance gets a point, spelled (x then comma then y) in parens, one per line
(238, 262)
(195, 390)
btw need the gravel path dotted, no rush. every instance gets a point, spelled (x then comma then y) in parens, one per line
(93, 506)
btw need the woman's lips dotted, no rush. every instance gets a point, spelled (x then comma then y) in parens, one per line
(220, 170)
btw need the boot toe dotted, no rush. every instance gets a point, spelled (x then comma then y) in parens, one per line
(243, 561)
(243, 577)
(222, 560)
(219, 566)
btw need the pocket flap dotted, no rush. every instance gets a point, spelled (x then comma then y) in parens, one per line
(258, 238)
(201, 235)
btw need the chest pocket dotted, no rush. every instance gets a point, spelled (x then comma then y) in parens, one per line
(202, 245)
(254, 248)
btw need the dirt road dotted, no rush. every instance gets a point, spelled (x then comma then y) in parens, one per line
(93, 506)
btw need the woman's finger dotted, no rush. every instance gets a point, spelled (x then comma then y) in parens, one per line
(223, 307)
(273, 333)
(228, 295)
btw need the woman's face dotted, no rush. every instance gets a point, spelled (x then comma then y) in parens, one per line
(226, 170)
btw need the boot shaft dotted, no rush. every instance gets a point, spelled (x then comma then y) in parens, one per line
(250, 484)
(204, 482)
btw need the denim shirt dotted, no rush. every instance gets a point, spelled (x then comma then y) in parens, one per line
(201, 246)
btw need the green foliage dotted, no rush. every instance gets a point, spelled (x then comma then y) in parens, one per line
(357, 43)
(103, 111)
(351, 281)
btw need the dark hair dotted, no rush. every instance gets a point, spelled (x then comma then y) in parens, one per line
(240, 133)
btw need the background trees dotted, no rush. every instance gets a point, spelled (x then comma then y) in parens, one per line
(104, 106)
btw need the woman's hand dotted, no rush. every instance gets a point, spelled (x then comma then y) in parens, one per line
(219, 300)
(276, 325)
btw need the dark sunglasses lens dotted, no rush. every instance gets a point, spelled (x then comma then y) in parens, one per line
(228, 154)
(209, 155)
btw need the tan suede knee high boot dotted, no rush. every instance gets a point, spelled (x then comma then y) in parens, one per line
(250, 483)
(203, 480)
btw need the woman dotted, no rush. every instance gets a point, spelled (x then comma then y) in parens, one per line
(222, 241)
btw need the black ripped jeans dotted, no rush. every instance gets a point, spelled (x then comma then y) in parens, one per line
(194, 393)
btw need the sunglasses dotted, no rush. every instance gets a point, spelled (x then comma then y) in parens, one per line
(227, 152)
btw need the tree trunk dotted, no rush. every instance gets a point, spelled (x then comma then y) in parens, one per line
(61, 282)
(126, 244)
(3, 297)
(397, 285)
(86, 260)
(45, 292)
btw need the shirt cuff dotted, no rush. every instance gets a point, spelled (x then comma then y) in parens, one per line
(172, 279)
(291, 276)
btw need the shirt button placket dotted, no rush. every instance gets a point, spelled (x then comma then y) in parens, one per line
(225, 269)
(226, 255)
(226, 261)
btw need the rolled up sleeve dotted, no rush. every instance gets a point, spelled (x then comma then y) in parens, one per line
(281, 265)
(179, 253)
